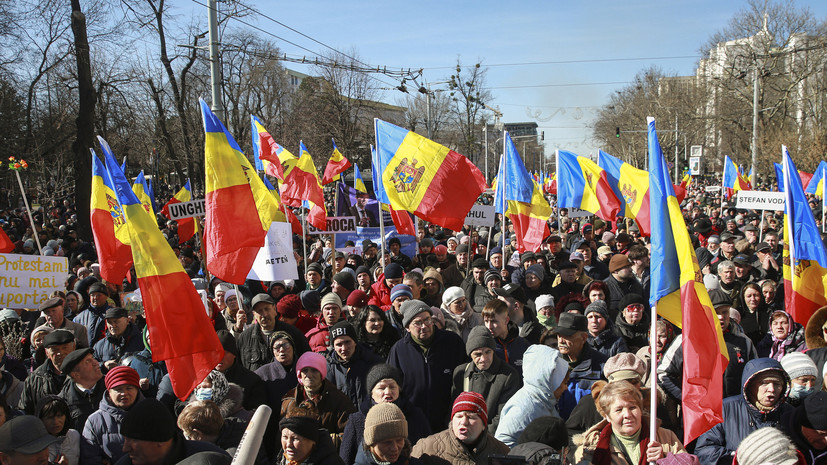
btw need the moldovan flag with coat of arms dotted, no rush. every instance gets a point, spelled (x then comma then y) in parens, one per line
(187, 227)
(108, 226)
(335, 166)
(582, 184)
(804, 257)
(425, 178)
(524, 202)
(678, 294)
(180, 332)
(239, 207)
(631, 185)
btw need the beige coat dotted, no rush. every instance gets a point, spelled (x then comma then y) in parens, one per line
(445, 449)
(587, 445)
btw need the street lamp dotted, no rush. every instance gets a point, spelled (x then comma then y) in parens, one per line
(427, 91)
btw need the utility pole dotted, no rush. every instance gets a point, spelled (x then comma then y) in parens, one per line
(754, 145)
(215, 61)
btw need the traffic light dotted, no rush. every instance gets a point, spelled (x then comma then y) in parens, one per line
(617, 132)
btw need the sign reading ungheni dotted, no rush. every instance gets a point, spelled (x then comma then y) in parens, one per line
(27, 280)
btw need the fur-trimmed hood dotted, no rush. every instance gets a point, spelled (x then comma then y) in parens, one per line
(812, 334)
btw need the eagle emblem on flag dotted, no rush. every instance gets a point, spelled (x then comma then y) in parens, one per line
(406, 176)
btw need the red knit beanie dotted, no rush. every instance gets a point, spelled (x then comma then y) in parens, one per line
(289, 306)
(471, 402)
(121, 375)
(357, 299)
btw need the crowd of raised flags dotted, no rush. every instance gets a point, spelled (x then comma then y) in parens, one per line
(414, 176)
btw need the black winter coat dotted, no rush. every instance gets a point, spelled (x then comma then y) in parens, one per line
(349, 377)
(254, 348)
(82, 404)
(429, 376)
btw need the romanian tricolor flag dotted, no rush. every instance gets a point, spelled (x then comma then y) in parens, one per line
(523, 199)
(425, 178)
(805, 260)
(142, 191)
(108, 226)
(358, 182)
(817, 182)
(187, 227)
(679, 295)
(550, 185)
(284, 214)
(301, 183)
(631, 185)
(583, 184)
(180, 334)
(335, 166)
(733, 180)
(805, 177)
(239, 207)
(268, 155)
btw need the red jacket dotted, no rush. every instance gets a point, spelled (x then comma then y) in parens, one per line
(319, 337)
(380, 294)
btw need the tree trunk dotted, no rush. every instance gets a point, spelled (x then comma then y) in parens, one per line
(84, 124)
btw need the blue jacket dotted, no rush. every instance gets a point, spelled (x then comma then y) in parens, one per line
(102, 433)
(429, 376)
(94, 321)
(512, 348)
(545, 370)
(114, 348)
(608, 342)
(588, 370)
(741, 417)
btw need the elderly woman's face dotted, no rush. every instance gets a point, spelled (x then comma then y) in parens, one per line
(388, 450)
(296, 448)
(780, 326)
(625, 416)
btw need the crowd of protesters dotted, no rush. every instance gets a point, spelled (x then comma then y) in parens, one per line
(463, 352)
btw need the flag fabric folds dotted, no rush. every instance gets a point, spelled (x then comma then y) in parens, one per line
(524, 202)
(6, 245)
(180, 332)
(582, 184)
(806, 178)
(426, 178)
(284, 214)
(335, 166)
(358, 182)
(142, 191)
(269, 156)
(187, 227)
(239, 207)
(679, 295)
(631, 185)
(816, 184)
(805, 260)
(732, 178)
(108, 225)
(301, 183)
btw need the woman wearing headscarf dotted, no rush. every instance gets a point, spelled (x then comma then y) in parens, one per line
(785, 336)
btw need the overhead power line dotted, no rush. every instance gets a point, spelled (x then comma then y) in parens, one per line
(567, 62)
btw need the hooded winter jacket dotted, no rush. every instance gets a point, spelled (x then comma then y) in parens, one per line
(741, 417)
(544, 371)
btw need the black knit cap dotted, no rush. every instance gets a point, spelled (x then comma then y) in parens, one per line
(345, 279)
(305, 427)
(148, 420)
(382, 371)
(227, 342)
(340, 329)
(98, 287)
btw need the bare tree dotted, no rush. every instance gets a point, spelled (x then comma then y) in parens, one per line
(468, 93)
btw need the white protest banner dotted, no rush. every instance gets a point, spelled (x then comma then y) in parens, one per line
(356, 250)
(26, 281)
(578, 213)
(197, 207)
(335, 225)
(480, 215)
(757, 200)
(275, 261)
(712, 188)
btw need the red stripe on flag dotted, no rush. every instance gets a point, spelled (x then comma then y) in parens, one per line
(403, 222)
(233, 235)
(703, 366)
(609, 203)
(180, 334)
(6, 245)
(532, 230)
(459, 183)
(115, 258)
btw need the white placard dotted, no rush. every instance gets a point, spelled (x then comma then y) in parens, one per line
(578, 213)
(335, 224)
(695, 166)
(197, 207)
(480, 215)
(26, 281)
(712, 188)
(275, 261)
(758, 200)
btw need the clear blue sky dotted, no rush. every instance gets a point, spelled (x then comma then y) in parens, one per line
(432, 34)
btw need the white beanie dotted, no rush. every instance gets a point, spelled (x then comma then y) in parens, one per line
(799, 364)
(451, 294)
(766, 445)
